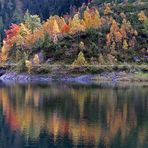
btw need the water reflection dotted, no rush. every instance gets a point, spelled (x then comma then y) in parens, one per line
(66, 115)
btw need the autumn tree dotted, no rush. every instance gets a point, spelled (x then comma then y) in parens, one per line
(125, 45)
(11, 34)
(114, 35)
(56, 28)
(120, 36)
(29, 66)
(92, 18)
(11, 38)
(36, 60)
(80, 61)
(32, 38)
(65, 28)
(32, 21)
(4, 52)
(114, 27)
(76, 24)
(107, 9)
(23, 32)
(142, 16)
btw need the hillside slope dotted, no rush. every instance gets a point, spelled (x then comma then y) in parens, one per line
(12, 11)
(95, 35)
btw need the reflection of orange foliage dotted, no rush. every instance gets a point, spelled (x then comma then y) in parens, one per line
(141, 136)
(30, 120)
(57, 125)
(11, 118)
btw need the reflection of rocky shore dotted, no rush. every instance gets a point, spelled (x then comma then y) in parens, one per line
(82, 113)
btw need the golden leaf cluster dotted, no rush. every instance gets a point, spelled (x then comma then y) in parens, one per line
(80, 61)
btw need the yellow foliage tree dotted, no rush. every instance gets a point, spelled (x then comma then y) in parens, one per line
(107, 9)
(113, 46)
(62, 22)
(115, 34)
(56, 27)
(80, 61)
(96, 21)
(123, 31)
(36, 60)
(101, 60)
(29, 66)
(48, 25)
(4, 52)
(76, 24)
(108, 39)
(111, 59)
(118, 36)
(31, 38)
(114, 27)
(125, 45)
(92, 18)
(142, 16)
(24, 30)
(87, 18)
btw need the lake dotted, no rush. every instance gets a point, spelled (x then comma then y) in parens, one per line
(63, 115)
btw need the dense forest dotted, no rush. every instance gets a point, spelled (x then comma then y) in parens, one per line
(92, 34)
(12, 11)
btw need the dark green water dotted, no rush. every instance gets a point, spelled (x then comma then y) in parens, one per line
(69, 115)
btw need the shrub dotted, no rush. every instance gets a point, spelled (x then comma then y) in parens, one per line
(20, 61)
(36, 60)
(29, 66)
(42, 69)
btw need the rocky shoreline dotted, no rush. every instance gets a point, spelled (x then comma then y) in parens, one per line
(81, 78)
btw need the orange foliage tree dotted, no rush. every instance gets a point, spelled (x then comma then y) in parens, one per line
(11, 34)
(142, 16)
(11, 37)
(107, 9)
(119, 35)
(92, 18)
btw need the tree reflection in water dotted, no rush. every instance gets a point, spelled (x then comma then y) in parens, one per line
(67, 115)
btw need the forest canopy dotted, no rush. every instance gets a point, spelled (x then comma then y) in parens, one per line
(12, 11)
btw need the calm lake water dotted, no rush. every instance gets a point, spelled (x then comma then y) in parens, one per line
(71, 115)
